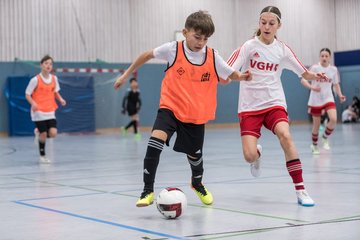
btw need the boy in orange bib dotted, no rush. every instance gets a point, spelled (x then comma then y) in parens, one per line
(41, 93)
(187, 100)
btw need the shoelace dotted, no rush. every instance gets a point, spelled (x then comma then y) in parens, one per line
(255, 164)
(201, 189)
(144, 194)
(303, 193)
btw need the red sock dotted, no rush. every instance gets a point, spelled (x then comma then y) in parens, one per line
(295, 171)
(315, 137)
(327, 132)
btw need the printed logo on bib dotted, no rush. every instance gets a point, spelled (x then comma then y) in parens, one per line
(205, 77)
(180, 71)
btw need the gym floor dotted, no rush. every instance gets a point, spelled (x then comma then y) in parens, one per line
(90, 189)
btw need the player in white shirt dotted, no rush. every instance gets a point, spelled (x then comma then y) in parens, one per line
(348, 115)
(262, 100)
(321, 99)
(41, 93)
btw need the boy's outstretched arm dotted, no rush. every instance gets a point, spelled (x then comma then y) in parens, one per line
(140, 60)
(240, 76)
(237, 76)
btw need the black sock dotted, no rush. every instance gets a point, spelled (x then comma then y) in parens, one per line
(135, 126)
(42, 148)
(197, 170)
(129, 125)
(151, 162)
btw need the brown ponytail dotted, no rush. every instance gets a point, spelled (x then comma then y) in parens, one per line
(326, 50)
(269, 9)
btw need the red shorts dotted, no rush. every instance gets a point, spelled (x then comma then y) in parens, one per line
(316, 111)
(251, 122)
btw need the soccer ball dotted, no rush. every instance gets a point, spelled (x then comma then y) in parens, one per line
(171, 202)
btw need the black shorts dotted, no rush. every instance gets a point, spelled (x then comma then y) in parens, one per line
(190, 137)
(132, 111)
(44, 126)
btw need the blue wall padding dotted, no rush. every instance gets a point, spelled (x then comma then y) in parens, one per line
(20, 123)
(77, 116)
(347, 58)
(79, 113)
(107, 101)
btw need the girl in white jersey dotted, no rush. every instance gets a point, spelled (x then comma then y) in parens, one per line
(262, 100)
(322, 99)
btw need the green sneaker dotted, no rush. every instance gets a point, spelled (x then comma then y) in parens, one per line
(204, 195)
(123, 131)
(137, 136)
(146, 199)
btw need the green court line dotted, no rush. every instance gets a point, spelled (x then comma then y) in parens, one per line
(78, 187)
(356, 217)
(224, 235)
(253, 231)
(234, 235)
(221, 236)
(193, 205)
(249, 213)
(229, 234)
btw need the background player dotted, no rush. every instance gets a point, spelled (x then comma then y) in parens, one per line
(41, 93)
(132, 104)
(322, 99)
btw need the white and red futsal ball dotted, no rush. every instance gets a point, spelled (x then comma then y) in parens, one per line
(171, 202)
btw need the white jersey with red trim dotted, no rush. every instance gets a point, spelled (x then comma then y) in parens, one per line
(325, 95)
(266, 63)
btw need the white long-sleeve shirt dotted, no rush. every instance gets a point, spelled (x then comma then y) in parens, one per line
(325, 95)
(266, 63)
